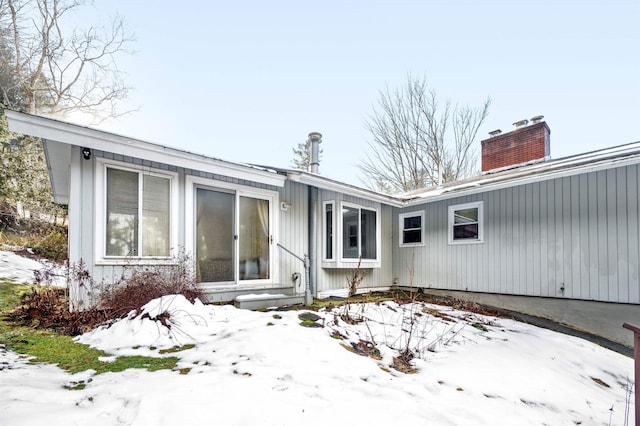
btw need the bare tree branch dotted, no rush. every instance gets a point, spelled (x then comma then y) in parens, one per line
(60, 72)
(410, 146)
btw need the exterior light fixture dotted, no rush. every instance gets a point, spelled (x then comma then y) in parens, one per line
(86, 153)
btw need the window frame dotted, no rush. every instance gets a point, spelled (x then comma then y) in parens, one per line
(328, 244)
(193, 182)
(100, 250)
(479, 205)
(338, 260)
(401, 228)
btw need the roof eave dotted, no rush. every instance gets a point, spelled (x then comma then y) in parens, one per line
(72, 134)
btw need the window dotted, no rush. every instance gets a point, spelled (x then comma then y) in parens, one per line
(134, 213)
(465, 223)
(359, 230)
(328, 226)
(411, 229)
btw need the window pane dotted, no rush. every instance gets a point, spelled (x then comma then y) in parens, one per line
(349, 233)
(368, 234)
(254, 238)
(412, 236)
(412, 222)
(155, 216)
(122, 213)
(328, 238)
(464, 232)
(465, 216)
(214, 236)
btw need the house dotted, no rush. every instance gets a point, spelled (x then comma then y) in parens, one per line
(556, 238)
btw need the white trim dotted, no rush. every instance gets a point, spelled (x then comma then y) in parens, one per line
(342, 262)
(73, 134)
(100, 191)
(239, 191)
(401, 218)
(451, 213)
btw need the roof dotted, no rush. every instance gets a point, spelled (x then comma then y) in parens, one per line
(59, 136)
(603, 159)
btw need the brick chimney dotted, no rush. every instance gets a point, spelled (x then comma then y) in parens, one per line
(525, 144)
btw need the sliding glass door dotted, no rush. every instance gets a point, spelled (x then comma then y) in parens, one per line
(233, 239)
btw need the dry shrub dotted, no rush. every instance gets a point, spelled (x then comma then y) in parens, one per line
(140, 285)
(47, 307)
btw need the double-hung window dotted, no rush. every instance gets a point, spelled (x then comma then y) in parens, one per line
(465, 223)
(135, 213)
(412, 229)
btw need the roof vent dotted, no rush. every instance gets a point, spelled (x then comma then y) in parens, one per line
(495, 132)
(315, 138)
(521, 123)
(537, 119)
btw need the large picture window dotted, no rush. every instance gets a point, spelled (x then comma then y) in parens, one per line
(138, 214)
(359, 233)
(412, 229)
(465, 223)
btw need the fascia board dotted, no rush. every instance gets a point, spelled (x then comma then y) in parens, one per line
(531, 176)
(343, 188)
(51, 129)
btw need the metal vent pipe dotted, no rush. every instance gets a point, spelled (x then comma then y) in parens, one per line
(315, 138)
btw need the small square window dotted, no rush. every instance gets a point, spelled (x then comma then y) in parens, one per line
(465, 223)
(412, 229)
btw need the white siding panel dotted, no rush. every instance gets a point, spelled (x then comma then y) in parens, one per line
(580, 233)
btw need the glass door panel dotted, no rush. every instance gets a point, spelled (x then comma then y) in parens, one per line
(215, 254)
(254, 239)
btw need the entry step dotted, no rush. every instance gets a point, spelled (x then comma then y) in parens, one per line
(263, 301)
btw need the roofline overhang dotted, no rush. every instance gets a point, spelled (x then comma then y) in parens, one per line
(344, 188)
(605, 159)
(73, 134)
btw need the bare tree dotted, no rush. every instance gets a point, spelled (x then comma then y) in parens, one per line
(411, 147)
(57, 71)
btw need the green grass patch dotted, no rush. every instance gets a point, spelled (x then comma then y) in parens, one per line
(10, 294)
(49, 347)
(177, 349)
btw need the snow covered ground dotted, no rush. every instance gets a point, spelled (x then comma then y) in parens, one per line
(264, 368)
(20, 269)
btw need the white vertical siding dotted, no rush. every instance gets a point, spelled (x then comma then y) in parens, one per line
(580, 233)
(294, 232)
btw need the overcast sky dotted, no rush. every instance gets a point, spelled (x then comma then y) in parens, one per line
(248, 80)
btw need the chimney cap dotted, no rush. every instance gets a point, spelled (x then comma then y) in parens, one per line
(315, 136)
(495, 132)
(521, 123)
(537, 118)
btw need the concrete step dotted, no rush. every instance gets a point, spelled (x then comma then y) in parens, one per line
(264, 301)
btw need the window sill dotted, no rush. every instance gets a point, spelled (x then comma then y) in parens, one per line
(412, 245)
(349, 264)
(136, 261)
(464, 242)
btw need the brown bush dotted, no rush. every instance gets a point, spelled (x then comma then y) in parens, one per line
(47, 307)
(140, 285)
